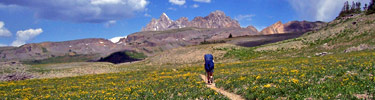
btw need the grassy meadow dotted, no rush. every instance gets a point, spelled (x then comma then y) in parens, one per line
(284, 70)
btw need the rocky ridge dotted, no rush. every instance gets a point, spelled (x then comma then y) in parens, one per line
(216, 19)
(292, 27)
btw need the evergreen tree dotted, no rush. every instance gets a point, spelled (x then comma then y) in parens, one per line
(371, 8)
(365, 8)
(348, 9)
(358, 7)
(230, 36)
(346, 5)
(345, 9)
(352, 7)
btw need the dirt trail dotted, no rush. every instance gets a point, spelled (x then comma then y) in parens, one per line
(231, 96)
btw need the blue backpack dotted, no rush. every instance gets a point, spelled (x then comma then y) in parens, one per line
(209, 63)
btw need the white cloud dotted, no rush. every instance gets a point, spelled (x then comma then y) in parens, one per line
(92, 11)
(104, 2)
(320, 10)
(195, 6)
(110, 23)
(178, 2)
(247, 17)
(117, 39)
(26, 35)
(204, 1)
(3, 31)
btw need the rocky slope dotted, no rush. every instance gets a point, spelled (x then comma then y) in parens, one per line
(154, 41)
(292, 27)
(35, 51)
(252, 28)
(338, 36)
(216, 19)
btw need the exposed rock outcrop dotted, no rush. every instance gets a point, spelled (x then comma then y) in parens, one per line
(252, 28)
(278, 27)
(160, 24)
(216, 19)
(292, 27)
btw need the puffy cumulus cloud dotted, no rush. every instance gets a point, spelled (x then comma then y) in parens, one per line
(178, 2)
(3, 31)
(93, 11)
(204, 1)
(320, 10)
(247, 17)
(23, 36)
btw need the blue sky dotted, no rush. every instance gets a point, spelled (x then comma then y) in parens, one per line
(34, 21)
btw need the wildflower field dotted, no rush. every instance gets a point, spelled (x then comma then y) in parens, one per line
(347, 76)
(340, 76)
(160, 84)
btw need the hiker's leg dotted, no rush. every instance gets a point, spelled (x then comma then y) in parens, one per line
(211, 75)
(208, 77)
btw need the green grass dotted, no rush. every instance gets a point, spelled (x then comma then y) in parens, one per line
(340, 76)
(135, 55)
(299, 74)
(145, 84)
(61, 59)
(328, 77)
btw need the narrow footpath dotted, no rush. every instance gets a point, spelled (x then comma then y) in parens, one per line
(231, 96)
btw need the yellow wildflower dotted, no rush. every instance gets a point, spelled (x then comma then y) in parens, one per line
(258, 77)
(295, 80)
(267, 85)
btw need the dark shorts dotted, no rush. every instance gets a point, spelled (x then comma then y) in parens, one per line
(210, 70)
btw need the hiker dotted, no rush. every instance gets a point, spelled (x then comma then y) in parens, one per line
(209, 67)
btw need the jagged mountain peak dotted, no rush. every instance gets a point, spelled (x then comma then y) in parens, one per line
(278, 23)
(216, 19)
(217, 13)
(164, 16)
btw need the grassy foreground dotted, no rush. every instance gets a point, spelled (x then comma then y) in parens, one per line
(329, 77)
(340, 76)
(160, 84)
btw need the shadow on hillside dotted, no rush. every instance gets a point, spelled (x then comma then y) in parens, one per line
(265, 39)
(122, 57)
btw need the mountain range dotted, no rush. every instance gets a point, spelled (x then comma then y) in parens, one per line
(216, 19)
(158, 35)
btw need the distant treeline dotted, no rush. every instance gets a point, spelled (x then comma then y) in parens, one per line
(355, 8)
